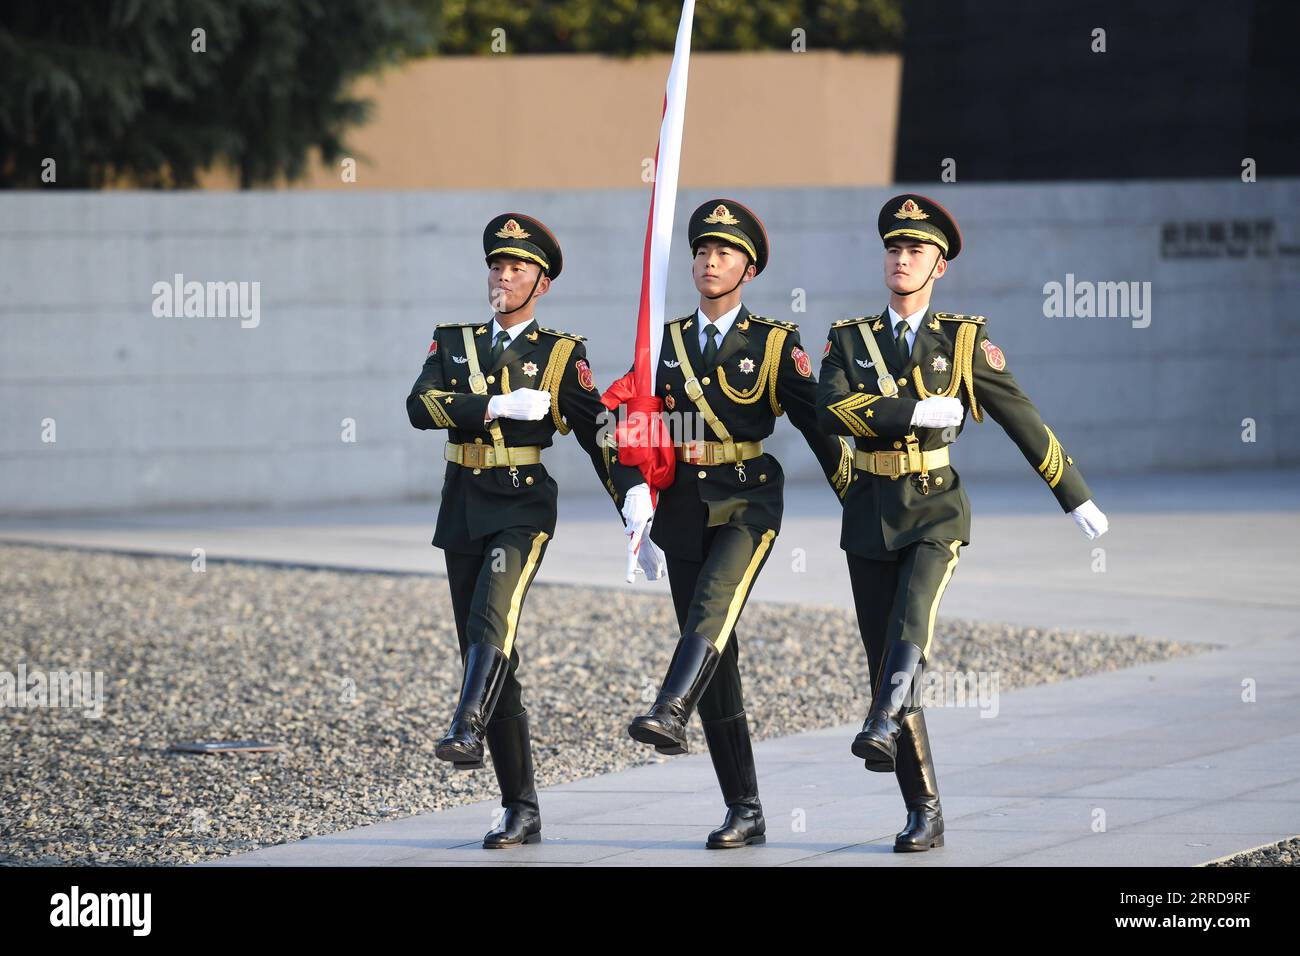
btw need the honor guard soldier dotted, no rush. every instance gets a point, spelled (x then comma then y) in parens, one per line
(502, 389)
(726, 375)
(900, 383)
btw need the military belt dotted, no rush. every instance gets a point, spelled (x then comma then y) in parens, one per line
(894, 464)
(486, 456)
(716, 452)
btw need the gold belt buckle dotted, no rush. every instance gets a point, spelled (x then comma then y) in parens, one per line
(893, 467)
(474, 456)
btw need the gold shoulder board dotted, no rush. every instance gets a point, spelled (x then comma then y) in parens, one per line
(564, 335)
(779, 323)
(957, 317)
(862, 318)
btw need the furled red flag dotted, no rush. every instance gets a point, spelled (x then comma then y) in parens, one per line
(643, 439)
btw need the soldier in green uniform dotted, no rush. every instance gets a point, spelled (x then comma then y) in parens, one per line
(900, 383)
(725, 376)
(502, 389)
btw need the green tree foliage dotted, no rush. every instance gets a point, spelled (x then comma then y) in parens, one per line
(625, 27)
(114, 91)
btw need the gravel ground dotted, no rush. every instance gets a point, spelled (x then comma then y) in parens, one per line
(356, 675)
(1282, 853)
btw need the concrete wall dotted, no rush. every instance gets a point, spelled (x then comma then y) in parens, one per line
(159, 412)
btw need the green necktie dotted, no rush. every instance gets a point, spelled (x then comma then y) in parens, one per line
(711, 346)
(499, 345)
(904, 352)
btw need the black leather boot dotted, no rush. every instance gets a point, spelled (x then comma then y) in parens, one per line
(733, 761)
(665, 725)
(512, 757)
(915, 771)
(485, 672)
(877, 743)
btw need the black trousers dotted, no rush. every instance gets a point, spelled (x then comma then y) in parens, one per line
(708, 596)
(487, 597)
(898, 600)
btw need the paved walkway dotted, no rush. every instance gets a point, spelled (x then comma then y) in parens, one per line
(1160, 764)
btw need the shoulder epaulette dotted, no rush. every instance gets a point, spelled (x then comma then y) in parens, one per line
(564, 335)
(457, 325)
(955, 317)
(860, 318)
(779, 323)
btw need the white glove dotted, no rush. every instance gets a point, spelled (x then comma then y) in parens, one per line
(1089, 517)
(938, 412)
(525, 404)
(638, 512)
(650, 560)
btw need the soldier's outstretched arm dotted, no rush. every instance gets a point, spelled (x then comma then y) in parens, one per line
(579, 402)
(998, 393)
(796, 395)
(843, 410)
(430, 405)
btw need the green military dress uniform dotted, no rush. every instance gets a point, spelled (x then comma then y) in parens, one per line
(717, 522)
(906, 514)
(498, 508)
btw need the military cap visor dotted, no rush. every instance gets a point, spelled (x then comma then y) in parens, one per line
(730, 222)
(523, 237)
(912, 216)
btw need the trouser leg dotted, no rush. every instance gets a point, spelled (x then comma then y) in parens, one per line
(924, 570)
(707, 651)
(486, 629)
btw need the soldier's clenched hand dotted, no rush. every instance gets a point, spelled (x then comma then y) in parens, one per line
(525, 404)
(1089, 517)
(937, 412)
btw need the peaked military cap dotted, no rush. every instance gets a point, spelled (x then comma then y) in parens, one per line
(514, 234)
(919, 217)
(731, 222)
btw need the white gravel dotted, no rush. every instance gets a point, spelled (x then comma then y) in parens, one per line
(356, 674)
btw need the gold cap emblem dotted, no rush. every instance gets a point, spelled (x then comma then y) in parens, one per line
(512, 230)
(910, 210)
(722, 215)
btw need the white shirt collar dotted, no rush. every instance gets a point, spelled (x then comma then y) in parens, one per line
(723, 323)
(513, 331)
(913, 320)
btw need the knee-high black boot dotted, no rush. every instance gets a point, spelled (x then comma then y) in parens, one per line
(665, 725)
(485, 672)
(733, 761)
(914, 768)
(512, 757)
(900, 670)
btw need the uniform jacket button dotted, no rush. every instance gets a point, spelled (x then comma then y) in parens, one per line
(898, 444)
(702, 474)
(493, 378)
(901, 381)
(478, 470)
(705, 380)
